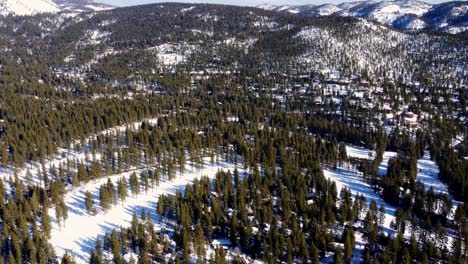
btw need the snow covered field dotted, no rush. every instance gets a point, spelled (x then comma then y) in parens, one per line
(77, 235)
(27, 7)
(353, 180)
(428, 173)
(359, 152)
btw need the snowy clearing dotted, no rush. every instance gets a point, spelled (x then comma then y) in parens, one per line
(353, 180)
(428, 174)
(359, 152)
(77, 235)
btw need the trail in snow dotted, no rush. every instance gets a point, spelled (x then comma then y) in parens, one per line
(77, 235)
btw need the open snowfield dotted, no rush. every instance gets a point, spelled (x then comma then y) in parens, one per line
(359, 152)
(428, 172)
(353, 180)
(77, 235)
(27, 7)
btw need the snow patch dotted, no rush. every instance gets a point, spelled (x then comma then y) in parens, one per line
(80, 230)
(27, 7)
(354, 181)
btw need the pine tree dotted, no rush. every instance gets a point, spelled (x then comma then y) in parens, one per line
(61, 211)
(99, 251)
(67, 259)
(381, 215)
(220, 255)
(16, 248)
(199, 242)
(185, 246)
(4, 153)
(89, 203)
(93, 259)
(289, 251)
(45, 223)
(116, 247)
(348, 247)
(338, 258)
(406, 258)
(122, 190)
(314, 254)
(11, 258)
(134, 184)
(145, 180)
(42, 256)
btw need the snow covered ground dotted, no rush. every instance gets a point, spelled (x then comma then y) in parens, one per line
(384, 164)
(35, 168)
(428, 174)
(359, 152)
(353, 180)
(27, 7)
(77, 235)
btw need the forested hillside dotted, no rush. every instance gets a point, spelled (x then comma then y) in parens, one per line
(181, 133)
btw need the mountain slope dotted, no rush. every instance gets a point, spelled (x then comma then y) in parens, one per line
(32, 7)
(450, 17)
(239, 85)
(82, 5)
(387, 12)
(27, 7)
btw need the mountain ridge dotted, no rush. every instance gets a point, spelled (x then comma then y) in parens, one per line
(82, 5)
(33, 7)
(27, 7)
(410, 15)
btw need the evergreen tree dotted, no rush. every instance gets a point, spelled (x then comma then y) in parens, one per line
(199, 243)
(45, 223)
(89, 204)
(67, 259)
(116, 247)
(338, 257)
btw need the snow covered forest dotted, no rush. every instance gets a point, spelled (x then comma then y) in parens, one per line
(182, 133)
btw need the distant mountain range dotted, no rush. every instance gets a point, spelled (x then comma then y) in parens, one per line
(408, 15)
(32, 7)
(82, 5)
(449, 17)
